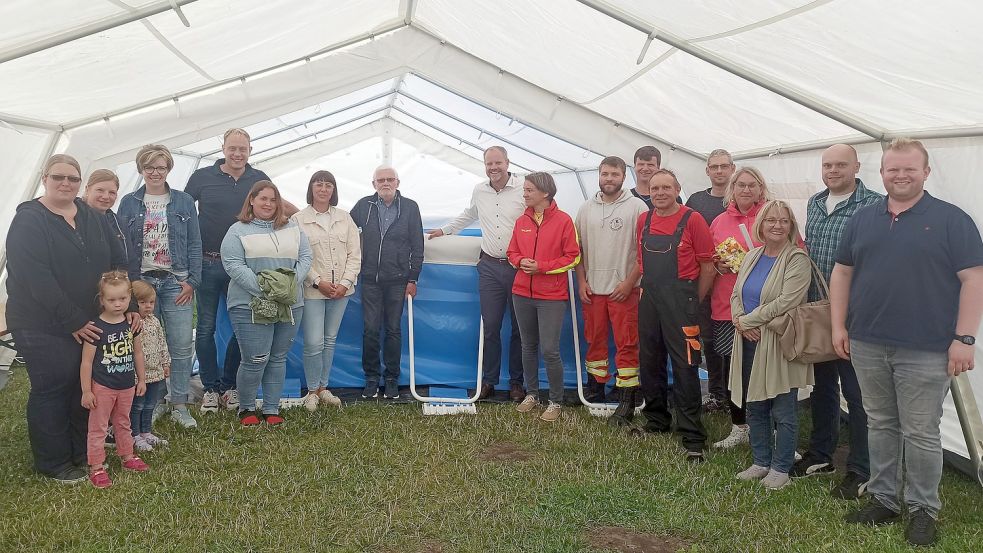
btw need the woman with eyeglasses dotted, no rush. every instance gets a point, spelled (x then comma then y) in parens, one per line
(100, 194)
(337, 252)
(773, 279)
(743, 197)
(161, 229)
(57, 250)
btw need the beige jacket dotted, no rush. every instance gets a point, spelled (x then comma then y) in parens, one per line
(336, 247)
(786, 287)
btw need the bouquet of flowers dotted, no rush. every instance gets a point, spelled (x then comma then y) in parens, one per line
(731, 252)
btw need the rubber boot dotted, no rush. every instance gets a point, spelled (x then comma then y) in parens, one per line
(625, 411)
(594, 392)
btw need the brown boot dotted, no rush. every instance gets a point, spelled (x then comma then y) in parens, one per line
(517, 393)
(487, 391)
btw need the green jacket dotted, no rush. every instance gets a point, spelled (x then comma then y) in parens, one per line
(279, 288)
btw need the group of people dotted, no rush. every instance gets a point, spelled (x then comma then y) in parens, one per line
(675, 284)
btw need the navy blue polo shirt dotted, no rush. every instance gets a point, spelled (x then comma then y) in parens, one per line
(220, 198)
(905, 291)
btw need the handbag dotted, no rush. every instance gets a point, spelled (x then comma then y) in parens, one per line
(805, 332)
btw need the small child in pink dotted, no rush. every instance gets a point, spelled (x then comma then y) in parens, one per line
(107, 374)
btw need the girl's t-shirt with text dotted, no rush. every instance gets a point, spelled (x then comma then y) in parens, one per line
(113, 365)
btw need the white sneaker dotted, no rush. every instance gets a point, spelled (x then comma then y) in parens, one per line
(183, 417)
(528, 404)
(775, 480)
(209, 402)
(155, 440)
(141, 444)
(310, 401)
(738, 435)
(328, 398)
(231, 399)
(754, 472)
(158, 411)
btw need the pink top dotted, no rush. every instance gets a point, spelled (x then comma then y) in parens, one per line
(723, 227)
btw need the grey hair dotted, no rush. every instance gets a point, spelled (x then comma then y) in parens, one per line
(720, 152)
(498, 149)
(384, 168)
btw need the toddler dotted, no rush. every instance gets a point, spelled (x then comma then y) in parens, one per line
(157, 365)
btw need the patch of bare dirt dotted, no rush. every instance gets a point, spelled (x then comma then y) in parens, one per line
(623, 540)
(504, 452)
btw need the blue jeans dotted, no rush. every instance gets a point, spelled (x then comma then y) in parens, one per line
(382, 306)
(177, 321)
(322, 319)
(903, 391)
(825, 400)
(540, 322)
(495, 296)
(778, 414)
(264, 350)
(57, 424)
(214, 285)
(142, 411)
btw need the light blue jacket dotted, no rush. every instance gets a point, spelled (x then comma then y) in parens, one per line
(249, 248)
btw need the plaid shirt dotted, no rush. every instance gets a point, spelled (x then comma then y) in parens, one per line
(823, 230)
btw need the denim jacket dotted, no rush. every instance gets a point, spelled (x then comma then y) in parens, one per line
(183, 234)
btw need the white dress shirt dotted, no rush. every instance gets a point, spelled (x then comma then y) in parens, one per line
(496, 213)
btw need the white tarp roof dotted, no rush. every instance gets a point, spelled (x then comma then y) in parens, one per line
(566, 81)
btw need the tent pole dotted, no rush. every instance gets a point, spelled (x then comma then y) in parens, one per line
(707, 56)
(91, 29)
(475, 127)
(30, 123)
(226, 82)
(580, 181)
(310, 135)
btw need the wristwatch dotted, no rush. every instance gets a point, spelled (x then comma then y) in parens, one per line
(968, 340)
(315, 283)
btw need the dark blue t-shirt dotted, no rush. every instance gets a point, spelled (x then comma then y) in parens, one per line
(905, 291)
(220, 199)
(113, 366)
(751, 293)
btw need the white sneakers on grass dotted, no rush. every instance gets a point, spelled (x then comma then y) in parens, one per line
(328, 398)
(738, 435)
(231, 399)
(209, 402)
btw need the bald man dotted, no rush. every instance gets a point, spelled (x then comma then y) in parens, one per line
(827, 214)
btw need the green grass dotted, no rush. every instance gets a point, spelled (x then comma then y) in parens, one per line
(384, 478)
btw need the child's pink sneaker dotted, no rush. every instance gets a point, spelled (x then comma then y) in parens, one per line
(100, 479)
(136, 464)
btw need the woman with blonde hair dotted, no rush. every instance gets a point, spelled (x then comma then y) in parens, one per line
(100, 194)
(773, 279)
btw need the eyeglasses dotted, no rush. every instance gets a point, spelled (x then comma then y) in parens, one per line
(60, 178)
(385, 180)
(158, 170)
(718, 167)
(774, 221)
(746, 186)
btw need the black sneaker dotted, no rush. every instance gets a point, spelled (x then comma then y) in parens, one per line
(370, 391)
(110, 440)
(872, 514)
(71, 475)
(811, 465)
(695, 457)
(922, 529)
(853, 486)
(392, 390)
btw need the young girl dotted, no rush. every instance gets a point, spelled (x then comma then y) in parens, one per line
(107, 375)
(157, 363)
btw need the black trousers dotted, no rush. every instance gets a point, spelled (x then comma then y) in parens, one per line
(495, 280)
(668, 328)
(57, 424)
(382, 307)
(716, 372)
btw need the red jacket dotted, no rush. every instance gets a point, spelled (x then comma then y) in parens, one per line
(554, 246)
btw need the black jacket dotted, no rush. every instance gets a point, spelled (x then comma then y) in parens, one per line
(397, 256)
(53, 270)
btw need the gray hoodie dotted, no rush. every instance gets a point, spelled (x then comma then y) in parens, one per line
(607, 239)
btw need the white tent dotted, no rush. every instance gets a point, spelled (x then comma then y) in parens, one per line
(425, 85)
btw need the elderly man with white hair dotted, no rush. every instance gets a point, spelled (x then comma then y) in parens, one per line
(392, 256)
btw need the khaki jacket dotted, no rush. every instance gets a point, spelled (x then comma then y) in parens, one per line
(786, 287)
(336, 247)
